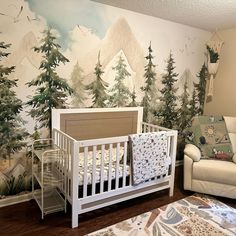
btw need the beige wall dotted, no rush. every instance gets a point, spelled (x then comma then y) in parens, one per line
(224, 98)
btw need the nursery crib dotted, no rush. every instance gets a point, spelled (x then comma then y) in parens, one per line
(98, 167)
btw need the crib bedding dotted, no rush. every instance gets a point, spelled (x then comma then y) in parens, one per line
(149, 156)
(114, 157)
(122, 168)
(105, 173)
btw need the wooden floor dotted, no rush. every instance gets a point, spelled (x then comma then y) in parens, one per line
(24, 218)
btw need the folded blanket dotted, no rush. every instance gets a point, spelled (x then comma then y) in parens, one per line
(148, 156)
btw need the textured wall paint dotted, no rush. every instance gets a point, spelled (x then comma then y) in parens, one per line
(224, 98)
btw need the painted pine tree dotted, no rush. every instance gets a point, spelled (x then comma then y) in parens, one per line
(78, 86)
(193, 104)
(184, 115)
(168, 109)
(98, 87)
(120, 94)
(201, 88)
(11, 134)
(149, 101)
(133, 102)
(51, 90)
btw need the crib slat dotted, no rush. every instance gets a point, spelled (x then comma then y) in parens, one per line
(117, 164)
(110, 167)
(168, 146)
(102, 169)
(85, 181)
(124, 164)
(144, 128)
(66, 166)
(94, 170)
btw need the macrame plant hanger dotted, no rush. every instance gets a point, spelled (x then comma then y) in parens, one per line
(216, 44)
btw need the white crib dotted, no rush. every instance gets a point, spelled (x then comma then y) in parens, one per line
(97, 169)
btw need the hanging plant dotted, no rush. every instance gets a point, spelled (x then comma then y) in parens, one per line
(214, 56)
(213, 64)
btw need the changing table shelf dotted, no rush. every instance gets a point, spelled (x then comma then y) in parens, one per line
(52, 201)
(47, 161)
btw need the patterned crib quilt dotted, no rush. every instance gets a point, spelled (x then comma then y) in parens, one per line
(113, 171)
(149, 157)
(106, 173)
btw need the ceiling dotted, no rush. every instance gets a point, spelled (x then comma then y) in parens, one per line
(205, 14)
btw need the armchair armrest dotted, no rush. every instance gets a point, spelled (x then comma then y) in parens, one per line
(234, 158)
(193, 152)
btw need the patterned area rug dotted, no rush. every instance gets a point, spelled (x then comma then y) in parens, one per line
(195, 215)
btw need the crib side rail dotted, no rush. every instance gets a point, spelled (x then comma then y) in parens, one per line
(66, 143)
(111, 171)
(147, 127)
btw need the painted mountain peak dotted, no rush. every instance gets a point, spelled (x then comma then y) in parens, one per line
(119, 37)
(25, 50)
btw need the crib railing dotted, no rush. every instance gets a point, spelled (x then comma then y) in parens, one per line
(108, 150)
(146, 127)
(66, 143)
(111, 169)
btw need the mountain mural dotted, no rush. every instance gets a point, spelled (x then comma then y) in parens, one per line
(119, 37)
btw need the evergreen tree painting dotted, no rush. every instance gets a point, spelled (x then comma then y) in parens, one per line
(11, 134)
(193, 104)
(120, 93)
(184, 110)
(168, 110)
(149, 101)
(98, 87)
(201, 88)
(51, 89)
(133, 99)
(78, 86)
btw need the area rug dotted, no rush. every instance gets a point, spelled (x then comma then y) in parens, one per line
(199, 215)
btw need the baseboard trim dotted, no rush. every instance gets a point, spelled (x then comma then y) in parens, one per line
(15, 199)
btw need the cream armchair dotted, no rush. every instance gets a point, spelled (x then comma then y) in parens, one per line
(213, 177)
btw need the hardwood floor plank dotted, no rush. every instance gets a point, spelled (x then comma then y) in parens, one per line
(24, 219)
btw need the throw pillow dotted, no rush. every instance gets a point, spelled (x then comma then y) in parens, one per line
(210, 134)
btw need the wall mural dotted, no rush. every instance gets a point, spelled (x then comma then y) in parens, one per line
(56, 54)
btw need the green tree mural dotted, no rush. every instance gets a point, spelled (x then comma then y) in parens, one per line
(168, 109)
(51, 89)
(201, 88)
(120, 93)
(12, 135)
(149, 101)
(98, 87)
(133, 102)
(193, 104)
(184, 115)
(78, 86)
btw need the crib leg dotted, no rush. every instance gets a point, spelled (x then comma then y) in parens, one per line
(75, 219)
(171, 191)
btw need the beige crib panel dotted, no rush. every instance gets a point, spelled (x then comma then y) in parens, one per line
(83, 126)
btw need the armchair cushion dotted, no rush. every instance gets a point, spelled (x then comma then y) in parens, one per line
(209, 133)
(192, 151)
(215, 171)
